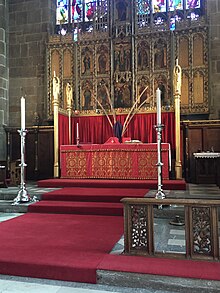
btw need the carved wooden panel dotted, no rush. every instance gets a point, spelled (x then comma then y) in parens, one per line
(139, 228)
(87, 95)
(184, 51)
(185, 89)
(198, 88)
(67, 64)
(102, 60)
(202, 237)
(198, 50)
(192, 47)
(55, 62)
(143, 56)
(87, 65)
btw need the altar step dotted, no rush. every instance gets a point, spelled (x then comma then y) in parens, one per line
(105, 183)
(80, 208)
(85, 201)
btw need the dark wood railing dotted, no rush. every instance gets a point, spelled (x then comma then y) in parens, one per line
(201, 227)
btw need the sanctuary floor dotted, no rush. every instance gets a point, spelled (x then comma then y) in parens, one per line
(173, 241)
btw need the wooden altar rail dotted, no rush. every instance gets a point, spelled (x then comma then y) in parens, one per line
(201, 227)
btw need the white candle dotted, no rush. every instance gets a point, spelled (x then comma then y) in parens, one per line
(22, 113)
(158, 95)
(77, 130)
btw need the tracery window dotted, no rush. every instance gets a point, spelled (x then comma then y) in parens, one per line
(167, 12)
(75, 15)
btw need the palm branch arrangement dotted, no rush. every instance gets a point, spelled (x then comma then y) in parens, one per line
(134, 109)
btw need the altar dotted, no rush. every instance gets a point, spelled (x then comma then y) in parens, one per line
(113, 161)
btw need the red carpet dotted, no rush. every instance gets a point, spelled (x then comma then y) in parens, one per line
(86, 201)
(53, 243)
(97, 183)
(82, 208)
(60, 247)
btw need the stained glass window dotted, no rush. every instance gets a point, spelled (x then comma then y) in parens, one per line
(192, 4)
(159, 6)
(90, 8)
(62, 11)
(175, 4)
(143, 7)
(77, 15)
(76, 11)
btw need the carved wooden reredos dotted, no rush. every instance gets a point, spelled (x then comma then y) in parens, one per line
(127, 54)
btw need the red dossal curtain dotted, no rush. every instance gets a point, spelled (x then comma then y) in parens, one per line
(97, 129)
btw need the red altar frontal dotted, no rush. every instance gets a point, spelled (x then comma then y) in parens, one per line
(113, 161)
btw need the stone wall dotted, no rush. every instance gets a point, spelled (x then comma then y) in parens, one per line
(214, 85)
(3, 76)
(30, 22)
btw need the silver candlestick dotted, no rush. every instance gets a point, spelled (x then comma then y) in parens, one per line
(23, 195)
(160, 194)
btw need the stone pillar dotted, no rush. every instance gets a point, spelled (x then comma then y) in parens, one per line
(30, 24)
(213, 7)
(3, 76)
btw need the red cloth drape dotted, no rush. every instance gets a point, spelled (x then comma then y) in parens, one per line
(97, 129)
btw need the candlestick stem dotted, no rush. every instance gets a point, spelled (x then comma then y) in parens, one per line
(77, 134)
(159, 127)
(23, 195)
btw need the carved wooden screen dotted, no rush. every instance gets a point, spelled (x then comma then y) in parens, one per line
(192, 49)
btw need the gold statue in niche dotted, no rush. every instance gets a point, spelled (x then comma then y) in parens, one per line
(177, 79)
(69, 94)
(56, 87)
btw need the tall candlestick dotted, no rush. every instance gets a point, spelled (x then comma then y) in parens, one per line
(22, 113)
(77, 130)
(158, 94)
(176, 61)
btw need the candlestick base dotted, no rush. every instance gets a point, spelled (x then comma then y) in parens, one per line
(160, 194)
(23, 197)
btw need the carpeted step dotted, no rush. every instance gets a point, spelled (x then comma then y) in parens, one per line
(93, 194)
(81, 208)
(98, 183)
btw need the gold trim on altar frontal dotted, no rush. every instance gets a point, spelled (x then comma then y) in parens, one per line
(112, 150)
(113, 177)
